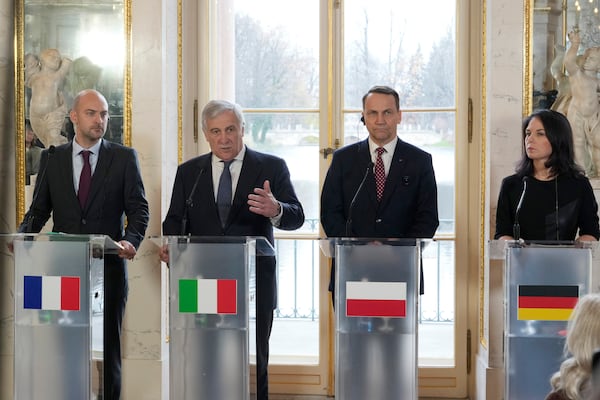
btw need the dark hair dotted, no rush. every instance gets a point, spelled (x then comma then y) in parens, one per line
(560, 135)
(382, 90)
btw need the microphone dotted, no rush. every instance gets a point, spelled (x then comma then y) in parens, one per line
(36, 191)
(516, 226)
(189, 203)
(351, 207)
(556, 208)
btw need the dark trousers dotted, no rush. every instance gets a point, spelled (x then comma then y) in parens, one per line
(266, 301)
(115, 298)
(264, 323)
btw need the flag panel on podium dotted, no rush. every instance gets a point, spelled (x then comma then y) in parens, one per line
(208, 296)
(546, 302)
(376, 299)
(51, 292)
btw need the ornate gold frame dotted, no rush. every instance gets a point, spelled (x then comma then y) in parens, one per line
(527, 57)
(19, 32)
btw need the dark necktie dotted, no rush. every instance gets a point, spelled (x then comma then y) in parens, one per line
(224, 192)
(85, 179)
(379, 173)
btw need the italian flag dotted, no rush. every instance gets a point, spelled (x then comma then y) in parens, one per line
(376, 299)
(208, 296)
(51, 293)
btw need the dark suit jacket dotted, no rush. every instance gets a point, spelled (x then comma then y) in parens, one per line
(203, 217)
(408, 208)
(116, 191)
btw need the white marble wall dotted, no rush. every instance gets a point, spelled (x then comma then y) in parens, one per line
(154, 135)
(504, 113)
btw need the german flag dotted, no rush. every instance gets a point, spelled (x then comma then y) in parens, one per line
(546, 303)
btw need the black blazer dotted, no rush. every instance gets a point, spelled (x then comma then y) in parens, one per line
(116, 192)
(408, 208)
(202, 212)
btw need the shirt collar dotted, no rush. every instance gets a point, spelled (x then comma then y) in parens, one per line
(95, 149)
(389, 148)
(240, 156)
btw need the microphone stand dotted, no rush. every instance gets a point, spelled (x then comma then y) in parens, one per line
(516, 226)
(351, 207)
(36, 192)
(189, 203)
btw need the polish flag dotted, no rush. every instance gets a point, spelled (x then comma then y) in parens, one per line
(208, 296)
(376, 299)
(51, 293)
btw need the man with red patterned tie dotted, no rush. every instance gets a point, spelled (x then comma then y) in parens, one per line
(381, 187)
(90, 185)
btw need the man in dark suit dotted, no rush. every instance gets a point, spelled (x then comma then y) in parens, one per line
(115, 191)
(406, 205)
(262, 197)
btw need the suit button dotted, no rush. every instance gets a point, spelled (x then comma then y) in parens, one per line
(83, 221)
(378, 220)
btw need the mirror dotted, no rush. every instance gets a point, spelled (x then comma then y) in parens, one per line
(562, 62)
(64, 47)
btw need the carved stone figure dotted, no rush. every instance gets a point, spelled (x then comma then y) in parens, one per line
(563, 97)
(584, 108)
(47, 108)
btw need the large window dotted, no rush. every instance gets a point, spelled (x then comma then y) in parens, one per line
(299, 69)
(386, 42)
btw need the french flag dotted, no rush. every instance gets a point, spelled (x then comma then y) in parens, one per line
(376, 299)
(208, 296)
(52, 293)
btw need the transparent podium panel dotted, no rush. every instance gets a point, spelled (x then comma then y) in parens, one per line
(376, 326)
(542, 284)
(212, 288)
(59, 301)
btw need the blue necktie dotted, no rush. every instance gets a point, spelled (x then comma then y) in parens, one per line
(224, 192)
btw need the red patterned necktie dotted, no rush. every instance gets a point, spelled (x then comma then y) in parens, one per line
(85, 179)
(379, 173)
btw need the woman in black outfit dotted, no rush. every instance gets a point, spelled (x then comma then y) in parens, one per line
(549, 197)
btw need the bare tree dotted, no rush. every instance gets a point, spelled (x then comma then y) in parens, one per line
(440, 73)
(368, 65)
(270, 73)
